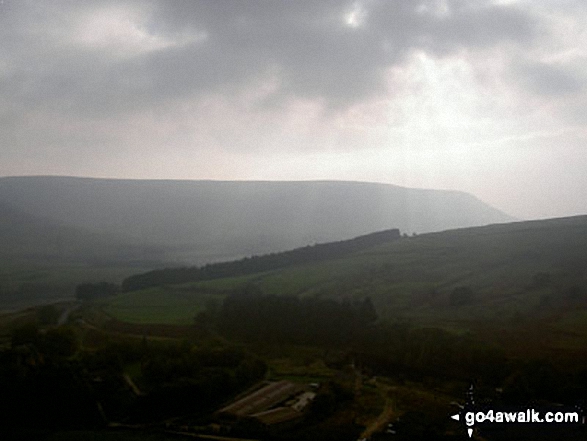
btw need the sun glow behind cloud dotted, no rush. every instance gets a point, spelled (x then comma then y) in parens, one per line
(356, 16)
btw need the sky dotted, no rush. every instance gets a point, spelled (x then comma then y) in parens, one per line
(487, 97)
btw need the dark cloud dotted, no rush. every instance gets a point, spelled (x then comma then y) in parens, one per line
(549, 79)
(318, 54)
(308, 43)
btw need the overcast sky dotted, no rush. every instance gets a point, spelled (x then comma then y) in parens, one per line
(487, 97)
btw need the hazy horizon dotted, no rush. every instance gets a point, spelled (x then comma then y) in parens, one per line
(293, 180)
(483, 96)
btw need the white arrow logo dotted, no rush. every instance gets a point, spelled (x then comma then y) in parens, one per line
(456, 417)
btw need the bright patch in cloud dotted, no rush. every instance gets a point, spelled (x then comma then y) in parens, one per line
(439, 103)
(356, 16)
(125, 32)
(438, 8)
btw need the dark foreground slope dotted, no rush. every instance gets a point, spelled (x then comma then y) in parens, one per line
(205, 221)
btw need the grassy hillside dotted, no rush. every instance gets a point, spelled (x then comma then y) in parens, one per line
(256, 264)
(500, 275)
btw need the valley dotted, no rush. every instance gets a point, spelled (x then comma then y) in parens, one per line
(390, 329)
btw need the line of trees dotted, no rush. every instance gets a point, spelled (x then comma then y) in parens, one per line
(288, 319)
(394, 349)
(258, 264)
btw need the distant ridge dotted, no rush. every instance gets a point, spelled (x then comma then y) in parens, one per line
(205, 221)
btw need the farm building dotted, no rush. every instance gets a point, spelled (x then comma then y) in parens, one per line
(275, 403)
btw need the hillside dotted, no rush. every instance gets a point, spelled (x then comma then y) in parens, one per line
(204, 221)
(257, 264)
(30, 238)
(42, 261)
(499, 275)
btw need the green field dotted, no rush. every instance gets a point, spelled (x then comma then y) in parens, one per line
(171, 305)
